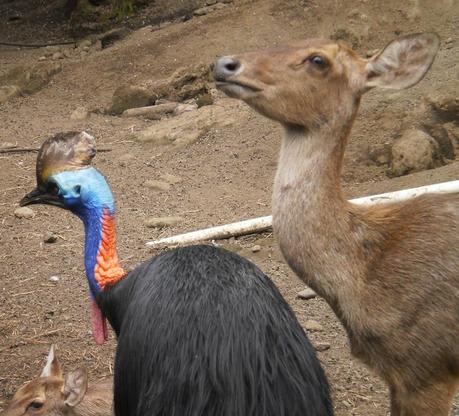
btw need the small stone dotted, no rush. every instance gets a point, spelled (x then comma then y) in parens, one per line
(182, 108)
(57, 55)
(157, 185)
(7, 92)
(54, 279)
(79, 114)
(313, 326)
(67, 53)
(50, 238)
(322, 346)
(85, 48)
(50, 50)
(162, 222)
(449, 40)
(256, 248)
(85, 43)
(172, 179)
(307, 294)
(24, 212)
(205, 99)
(42, 58)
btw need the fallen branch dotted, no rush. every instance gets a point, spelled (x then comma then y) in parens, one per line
(257, 225)
(33, 149)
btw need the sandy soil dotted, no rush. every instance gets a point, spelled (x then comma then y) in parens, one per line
(225, 176)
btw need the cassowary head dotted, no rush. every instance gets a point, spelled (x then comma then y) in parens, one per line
(66, 179)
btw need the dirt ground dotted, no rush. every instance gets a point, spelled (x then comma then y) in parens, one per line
(226, 176)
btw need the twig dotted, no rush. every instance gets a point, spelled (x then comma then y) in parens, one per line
(24, 293)
(32, 149)
(31, 339)
(37, 45)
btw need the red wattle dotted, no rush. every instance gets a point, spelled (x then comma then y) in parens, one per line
(99, 324)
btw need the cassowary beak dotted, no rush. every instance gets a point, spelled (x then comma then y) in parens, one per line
(39, 196)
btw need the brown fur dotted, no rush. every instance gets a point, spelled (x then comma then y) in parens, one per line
(50, 390)
(390, 272)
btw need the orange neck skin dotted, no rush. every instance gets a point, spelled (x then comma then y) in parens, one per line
(107, 270)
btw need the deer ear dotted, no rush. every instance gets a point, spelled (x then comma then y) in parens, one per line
(52, 367)
(403, 62)
(76, 384)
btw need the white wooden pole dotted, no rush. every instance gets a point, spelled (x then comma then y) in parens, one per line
(260, 224)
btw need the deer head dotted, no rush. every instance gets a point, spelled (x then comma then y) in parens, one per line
(318, 82)
(51, 393)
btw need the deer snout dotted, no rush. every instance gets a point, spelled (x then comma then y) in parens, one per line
(226, 67)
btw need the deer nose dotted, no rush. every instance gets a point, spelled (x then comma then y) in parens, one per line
(225, 67)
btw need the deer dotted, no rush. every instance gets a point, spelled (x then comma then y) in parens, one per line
(52, 394)
(389, 272)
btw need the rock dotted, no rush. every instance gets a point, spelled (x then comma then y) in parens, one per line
(322, 346)
(204, 99)
(313, 326)
(441, 136)
(129, 96)
(348, 36)
(58, 55)
(182, 108)
(193, 90)
(186, 128)
(7, 92)
(51, 50)
(24, 212)
(80, 113)
(445, 107)
(85, 48)
(413, 152)
(172, 179)
(256, 248)
(183, 84)
(109, 38)
(42, 58)
(203, 11)
(307, 294)
(54, 279)
(157, 185)
(85, 43)
(380, 155)
(153, 112)
(162, 222)
(50, 238)
(452, 130)
(210, 2)
(67, 53)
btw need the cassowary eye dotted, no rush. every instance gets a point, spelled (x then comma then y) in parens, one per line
(52, 188)
(35, 405)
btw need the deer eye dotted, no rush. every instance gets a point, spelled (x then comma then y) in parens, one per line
(35, 405)
(318, 61)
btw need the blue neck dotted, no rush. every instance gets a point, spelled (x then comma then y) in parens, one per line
(87, 194)
(92, 221)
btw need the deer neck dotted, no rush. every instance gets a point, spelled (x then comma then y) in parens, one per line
(319, 236)
(98, 401)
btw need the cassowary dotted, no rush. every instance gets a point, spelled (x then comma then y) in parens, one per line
(201, 331)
